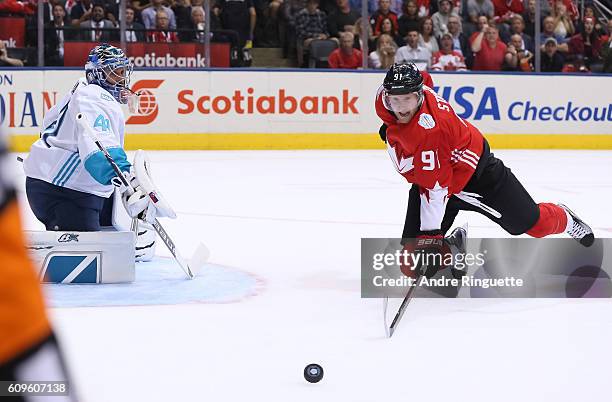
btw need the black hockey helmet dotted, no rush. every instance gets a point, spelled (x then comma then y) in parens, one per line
(403, 78)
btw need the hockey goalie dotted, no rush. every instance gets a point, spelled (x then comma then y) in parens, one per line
(75, 192)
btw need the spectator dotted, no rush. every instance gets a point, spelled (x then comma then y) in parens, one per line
(197, 24)
(506, 9)
(548, 26)
(409, 20)
(517, 27)
(590, 12)
(489, 50)
(342, 19)
(461, 43)
(564, 27)
(289, 10)
(6, 61)
(373, 5)
(419, 55)
(570, 6)
(48, 10)
(162, 26)
(55, 33)
(482, 23)
(388, 27)
(447, 59)
(346, 56)
(608, 35)
(359, 35)
(384, 55)
(587, 45)
(182, 13)
(606, 50)
(267, 27)
(310, 24)
(440, 19)
(111, 8)
(133, 30)
(529, 15)
(518, 58)
(426, 38)
(551, 60)
(239, 16)
(97, 29)
(425, 7)
(149, 15)
(139, 5)
(81, 12)
(383, 12)
(476, 8)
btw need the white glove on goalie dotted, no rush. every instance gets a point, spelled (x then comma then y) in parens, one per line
(142, 196)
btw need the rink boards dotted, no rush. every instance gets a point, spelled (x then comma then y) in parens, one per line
(306, 109)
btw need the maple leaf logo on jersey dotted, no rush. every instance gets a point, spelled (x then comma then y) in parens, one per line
(426, 121)
(402, 165)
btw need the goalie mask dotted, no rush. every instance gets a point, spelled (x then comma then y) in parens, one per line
(108, 67)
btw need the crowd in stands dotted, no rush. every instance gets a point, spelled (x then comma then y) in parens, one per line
(455, 35)
(443, 35)
(165, 21)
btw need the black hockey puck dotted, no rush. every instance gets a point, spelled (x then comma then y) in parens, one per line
(313, 373)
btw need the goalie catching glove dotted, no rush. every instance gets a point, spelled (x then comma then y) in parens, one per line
(140, 197)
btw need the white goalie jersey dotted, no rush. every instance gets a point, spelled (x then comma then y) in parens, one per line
(65, 156)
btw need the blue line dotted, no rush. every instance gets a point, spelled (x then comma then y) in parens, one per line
(61, 171)
(74, 159)
(71, 172)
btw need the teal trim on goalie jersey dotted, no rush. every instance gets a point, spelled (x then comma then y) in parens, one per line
(70, 173)
(65, 168)
(101, 170)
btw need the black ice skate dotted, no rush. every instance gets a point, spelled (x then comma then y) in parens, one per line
(579, 230)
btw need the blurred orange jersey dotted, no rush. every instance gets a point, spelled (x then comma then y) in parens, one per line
(23, 322)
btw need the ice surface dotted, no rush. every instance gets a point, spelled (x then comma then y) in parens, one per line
(294, 219)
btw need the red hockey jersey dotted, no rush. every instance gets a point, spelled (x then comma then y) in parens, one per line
(436, 150)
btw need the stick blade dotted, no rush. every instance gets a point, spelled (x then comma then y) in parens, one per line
(199, 258)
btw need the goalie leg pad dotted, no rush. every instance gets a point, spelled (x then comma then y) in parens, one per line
(145, 241)
(83, 257)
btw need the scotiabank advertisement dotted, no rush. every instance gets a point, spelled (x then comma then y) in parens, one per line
(270, 104)
(142, 55)
(12, 31)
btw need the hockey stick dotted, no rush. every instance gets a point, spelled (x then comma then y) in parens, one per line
(458, 240)
(201, 254)
(400, 313)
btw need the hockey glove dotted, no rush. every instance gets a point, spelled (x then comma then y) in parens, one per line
(135, 200)
(432, 249)
(382, 131)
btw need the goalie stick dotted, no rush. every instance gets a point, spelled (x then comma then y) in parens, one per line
(201, 254)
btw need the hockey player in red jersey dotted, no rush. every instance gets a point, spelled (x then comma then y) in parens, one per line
(451, 167)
